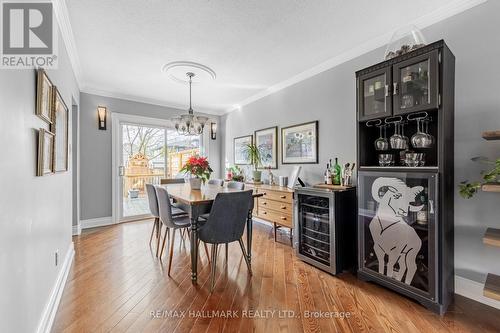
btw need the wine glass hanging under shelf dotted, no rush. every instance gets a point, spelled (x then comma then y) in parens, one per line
(400, 150)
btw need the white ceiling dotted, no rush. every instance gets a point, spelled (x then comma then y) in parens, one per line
(253, 45)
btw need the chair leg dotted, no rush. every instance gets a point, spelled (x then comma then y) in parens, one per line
(165, 236)
(275, 238)
(226, 252)
(214, 266)
(159, 238)
(171, 254)
(155, 228)
(245, 255)
(206, 251)
(291, 237)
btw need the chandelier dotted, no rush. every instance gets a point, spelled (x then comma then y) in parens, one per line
(189, 124)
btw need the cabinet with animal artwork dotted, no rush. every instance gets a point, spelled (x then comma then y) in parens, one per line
(405, 208)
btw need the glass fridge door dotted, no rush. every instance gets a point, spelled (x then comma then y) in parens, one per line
(397, 229)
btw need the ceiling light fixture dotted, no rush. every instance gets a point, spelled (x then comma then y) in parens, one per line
(189, 124)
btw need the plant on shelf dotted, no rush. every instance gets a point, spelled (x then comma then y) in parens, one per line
(199, 168)
(469, 189)
(253, 154)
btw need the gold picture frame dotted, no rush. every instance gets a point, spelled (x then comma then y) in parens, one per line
(44, 96)
(59, 126)
(45, 152)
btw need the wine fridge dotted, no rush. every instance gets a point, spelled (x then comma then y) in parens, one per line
(325, 228)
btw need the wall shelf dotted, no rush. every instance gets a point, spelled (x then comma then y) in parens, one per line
(491, 135)
(492, 287)
(492, 237)
(491, 187)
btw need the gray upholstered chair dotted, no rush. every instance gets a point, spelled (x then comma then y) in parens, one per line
(167, 218)
(225, 224)
(219, 182)
(153, 207)
(235, 185)
(165, 181)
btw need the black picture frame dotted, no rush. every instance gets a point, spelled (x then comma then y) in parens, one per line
(315, 126)
(275, 160)
(237, 162)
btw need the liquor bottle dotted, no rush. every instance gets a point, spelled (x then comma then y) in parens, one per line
(337, 172)
(327, 174)
(422, 217)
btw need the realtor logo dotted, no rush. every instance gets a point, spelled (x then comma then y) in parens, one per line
(28, 36)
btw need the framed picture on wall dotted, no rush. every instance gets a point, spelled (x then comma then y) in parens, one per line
(44, 96)
(60, 128)
(45, 152)
(267, 141)
(299, 143)
(239, 146)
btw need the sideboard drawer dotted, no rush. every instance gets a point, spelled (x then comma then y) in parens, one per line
(278, 206)
(278, 196)
(276, 217)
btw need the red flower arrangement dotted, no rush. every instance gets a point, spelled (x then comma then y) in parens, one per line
(198, 167)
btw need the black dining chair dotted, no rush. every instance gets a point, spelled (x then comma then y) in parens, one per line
(218, 182)
(225, 224)
(153, 207)
(166, 218)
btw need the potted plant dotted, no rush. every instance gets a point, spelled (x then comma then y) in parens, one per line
(253, 154)
(468, 189)
(199, 168)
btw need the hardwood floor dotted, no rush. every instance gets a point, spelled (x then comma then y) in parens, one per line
(117, 285)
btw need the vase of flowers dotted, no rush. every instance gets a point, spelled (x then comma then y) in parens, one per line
(199, 169)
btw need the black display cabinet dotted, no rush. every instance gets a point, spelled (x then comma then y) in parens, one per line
(405, 146)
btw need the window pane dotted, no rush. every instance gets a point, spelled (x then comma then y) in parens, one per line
(180, 148)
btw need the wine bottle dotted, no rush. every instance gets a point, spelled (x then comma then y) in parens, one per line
(337, 171)
(326, 173)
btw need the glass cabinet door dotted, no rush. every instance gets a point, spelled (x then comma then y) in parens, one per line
(397, 230)
(415, 86)
(373, 95)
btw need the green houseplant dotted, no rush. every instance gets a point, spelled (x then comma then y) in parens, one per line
(253, 154)
(469, 189)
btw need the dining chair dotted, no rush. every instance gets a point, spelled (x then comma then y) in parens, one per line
(153, 207)
(181, 222)
(225, 224)
(219, 182)
(236, 185)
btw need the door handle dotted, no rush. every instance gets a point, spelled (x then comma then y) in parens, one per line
(386, 90)
(121, 171)
(431, 206)
(395, 88)
(283, 197)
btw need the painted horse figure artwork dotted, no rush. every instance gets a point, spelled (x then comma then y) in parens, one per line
(391, 234)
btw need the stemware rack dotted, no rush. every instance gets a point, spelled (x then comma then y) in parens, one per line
(411, 252)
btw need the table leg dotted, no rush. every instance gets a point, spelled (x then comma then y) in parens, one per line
(249, 236)
(194, 246)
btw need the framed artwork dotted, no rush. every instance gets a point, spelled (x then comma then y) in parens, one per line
(60, 128)
(44, 96)
(267, 141)
(299, 143)
(239, 149)
(45, 152)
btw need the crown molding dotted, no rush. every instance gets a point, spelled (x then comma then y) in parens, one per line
(62, 16)
(429, 19)
(146, 100)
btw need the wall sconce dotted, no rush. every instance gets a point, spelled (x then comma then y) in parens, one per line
(213, 131)
(101, 115)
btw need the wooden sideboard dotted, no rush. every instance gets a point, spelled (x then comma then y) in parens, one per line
(275, 206)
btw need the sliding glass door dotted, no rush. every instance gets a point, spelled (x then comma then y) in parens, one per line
(146, 152)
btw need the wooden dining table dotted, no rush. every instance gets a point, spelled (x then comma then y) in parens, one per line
(198, 202)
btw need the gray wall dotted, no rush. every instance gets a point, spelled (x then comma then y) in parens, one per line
(95, 149)
(330, 98)
(35, 212)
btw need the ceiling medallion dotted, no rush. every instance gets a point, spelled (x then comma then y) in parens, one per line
(189, 124)
(177, 70)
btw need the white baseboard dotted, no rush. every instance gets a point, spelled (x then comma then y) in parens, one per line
(97, 222)
(77, 229)
(50, 310)
(473, 290)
